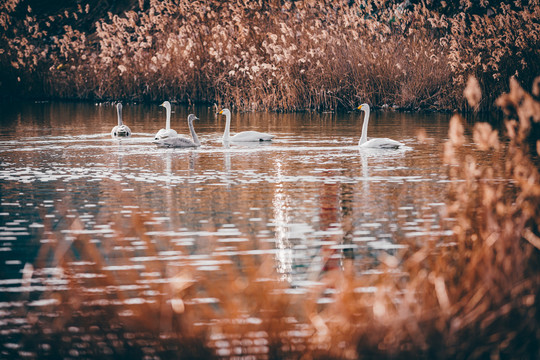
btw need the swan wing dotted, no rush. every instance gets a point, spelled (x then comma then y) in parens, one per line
(121, 131)
(382, 143)
(251, 136)
(164, 134)
(114, 131)
(177, 141)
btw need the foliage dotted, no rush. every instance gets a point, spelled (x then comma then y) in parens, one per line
(281, 55)
(472, 295)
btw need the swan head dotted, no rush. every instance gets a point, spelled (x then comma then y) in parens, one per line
(192, 117)
(225, 112)
(119, 106)
(166, 105)
(364, 107)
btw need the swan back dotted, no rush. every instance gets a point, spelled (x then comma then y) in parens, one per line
(164, 133)
(381, 143)
(177, 141)
(121, 131)
(251, 136)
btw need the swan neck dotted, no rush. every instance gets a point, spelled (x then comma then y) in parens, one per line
(168, 121)
(193, 134)
(363, 138)
(119, 112)
(226, 134)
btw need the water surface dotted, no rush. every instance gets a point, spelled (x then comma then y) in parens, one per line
(307, 200)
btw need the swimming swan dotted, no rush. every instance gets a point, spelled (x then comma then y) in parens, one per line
(381, 143)
(120, 130)
(180, 141)
(242, 136)
(167, 132)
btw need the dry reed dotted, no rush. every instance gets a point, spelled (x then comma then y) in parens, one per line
(280, 55)
(474, 295)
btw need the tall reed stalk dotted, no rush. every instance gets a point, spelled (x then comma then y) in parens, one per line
(277, 55)
(473, 295)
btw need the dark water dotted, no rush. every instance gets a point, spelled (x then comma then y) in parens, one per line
(308, 199)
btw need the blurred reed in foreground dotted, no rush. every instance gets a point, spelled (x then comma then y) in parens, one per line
(277, 55)
(473, 296)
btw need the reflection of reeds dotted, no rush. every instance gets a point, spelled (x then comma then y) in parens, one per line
(270, 55)
(475, 296)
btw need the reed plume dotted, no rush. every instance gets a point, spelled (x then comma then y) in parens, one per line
(277, 55)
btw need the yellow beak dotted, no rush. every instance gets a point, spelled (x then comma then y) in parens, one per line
(360, 107)
(221, 112)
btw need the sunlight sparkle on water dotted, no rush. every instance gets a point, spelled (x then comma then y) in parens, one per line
(136, 215)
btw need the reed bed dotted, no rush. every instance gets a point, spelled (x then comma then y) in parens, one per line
(269, 55)
(472, 295)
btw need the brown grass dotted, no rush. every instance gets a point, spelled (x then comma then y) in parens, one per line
(279, 55)
(475, 295)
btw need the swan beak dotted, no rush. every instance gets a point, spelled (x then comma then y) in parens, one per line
(162, 104)
(221, 112)
(360, 107)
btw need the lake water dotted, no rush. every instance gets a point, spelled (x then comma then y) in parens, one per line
(307, 200)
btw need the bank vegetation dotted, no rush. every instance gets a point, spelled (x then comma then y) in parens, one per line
(269, 55)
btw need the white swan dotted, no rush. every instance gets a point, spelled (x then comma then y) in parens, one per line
(120, 130)
(180, 141)
(381, 143)
(167, 132)
(242, 136)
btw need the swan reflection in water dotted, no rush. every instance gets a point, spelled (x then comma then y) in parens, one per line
(380, 156)
(169, 155)
(338, 218)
